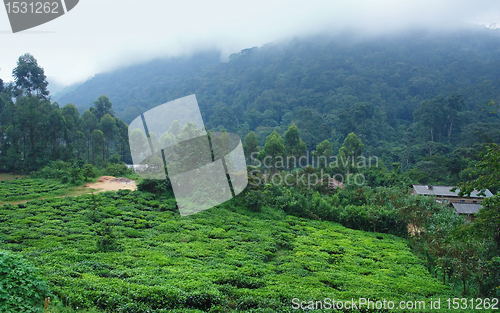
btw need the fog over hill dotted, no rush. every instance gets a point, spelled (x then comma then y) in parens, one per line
(328, 75)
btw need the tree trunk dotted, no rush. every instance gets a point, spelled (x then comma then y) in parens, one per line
(449, 130)
(24, 148)
(32, 144)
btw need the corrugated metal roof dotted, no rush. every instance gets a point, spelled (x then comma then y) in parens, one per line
(445, 191)
(467, 208)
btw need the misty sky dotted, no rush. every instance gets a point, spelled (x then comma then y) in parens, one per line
(99, 35)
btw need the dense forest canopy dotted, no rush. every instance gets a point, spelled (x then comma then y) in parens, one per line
(418, 99)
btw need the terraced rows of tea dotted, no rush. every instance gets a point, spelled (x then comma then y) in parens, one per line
(28, 188)
(129, 252)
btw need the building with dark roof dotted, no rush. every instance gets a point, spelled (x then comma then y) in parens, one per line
(465, 206)
(467, 209)
(445, 195)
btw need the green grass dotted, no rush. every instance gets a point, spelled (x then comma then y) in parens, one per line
(222, 259)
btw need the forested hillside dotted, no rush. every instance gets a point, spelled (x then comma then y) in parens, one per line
(411, 99)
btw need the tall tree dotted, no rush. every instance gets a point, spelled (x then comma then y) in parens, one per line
(30, 78)
(97, 143)
(250, 144)
(175, 128)
(121, 143)
(102, 107)
(486, 175)
(108, 128)
(455, 104)
(89, 124)
(323, 153)
(138, 144)
(294, 146)
(486, 227)
(274, 147)
(30, 120)
(430, 116)
(56, 132)
(351, 149)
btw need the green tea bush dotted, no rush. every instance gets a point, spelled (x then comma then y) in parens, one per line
(222, 259)
(107, 238)
(22, 288)
(28, 189)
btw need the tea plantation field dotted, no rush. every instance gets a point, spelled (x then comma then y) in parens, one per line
(129, 252)
(29, 189)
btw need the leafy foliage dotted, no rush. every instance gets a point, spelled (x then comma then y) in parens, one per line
(130, 251)
(417, 100)
(28, 189)
(36, 131)
(29, 78)
(157, 186)
(119, 169)
(225, 258)
(486, 173)
(23, 289)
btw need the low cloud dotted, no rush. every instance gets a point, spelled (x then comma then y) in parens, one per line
(99, 36)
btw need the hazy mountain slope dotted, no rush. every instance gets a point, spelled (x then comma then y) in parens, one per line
(138, 86)
(328, 86)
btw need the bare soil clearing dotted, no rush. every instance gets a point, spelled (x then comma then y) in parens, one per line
(110, 183)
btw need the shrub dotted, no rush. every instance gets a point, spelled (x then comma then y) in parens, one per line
(56, 169)
(157, 186)
(253, 199)
(115, 170)
(75, 174)
(114, 159)
(63, 171)
(88, 171)
(22, 288)
(106, 240)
